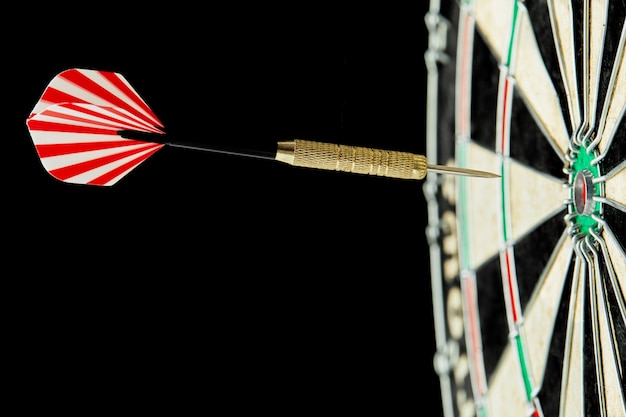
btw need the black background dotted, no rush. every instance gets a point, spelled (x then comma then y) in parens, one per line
(222, 282)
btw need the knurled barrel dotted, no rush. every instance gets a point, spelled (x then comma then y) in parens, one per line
(360, 160)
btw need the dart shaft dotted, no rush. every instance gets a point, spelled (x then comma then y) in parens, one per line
(164, 139)
(329, 156)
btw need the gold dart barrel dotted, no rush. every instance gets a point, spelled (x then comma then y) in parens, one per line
(355, 159)
(361, 160)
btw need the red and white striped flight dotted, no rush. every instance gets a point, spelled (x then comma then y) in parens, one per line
(76, 123)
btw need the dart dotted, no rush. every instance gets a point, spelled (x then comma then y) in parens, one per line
(92, 127)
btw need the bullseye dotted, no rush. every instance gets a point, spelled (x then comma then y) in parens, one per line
(584, 191)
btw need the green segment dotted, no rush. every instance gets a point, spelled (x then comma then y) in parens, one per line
(583, 161)
(512, 37)
(524, 365)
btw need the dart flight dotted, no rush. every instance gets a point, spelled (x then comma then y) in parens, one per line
(92, 127)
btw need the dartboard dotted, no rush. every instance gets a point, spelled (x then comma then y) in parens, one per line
(529, 270)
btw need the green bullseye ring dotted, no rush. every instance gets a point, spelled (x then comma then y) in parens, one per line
(583, 190)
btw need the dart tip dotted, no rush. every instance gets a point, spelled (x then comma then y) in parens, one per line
(484, 174)
(461, 171)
